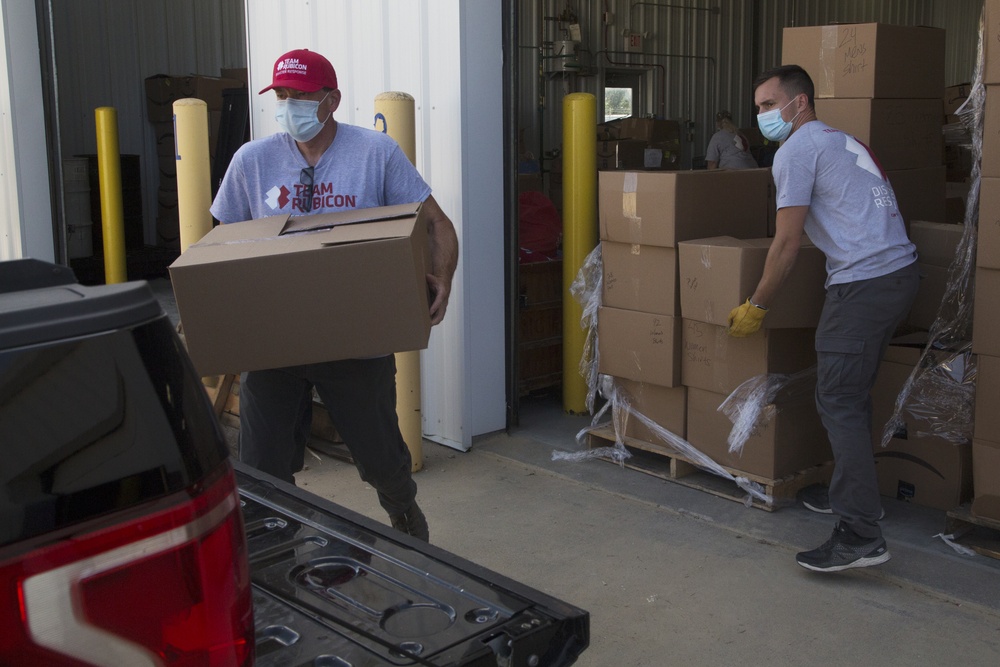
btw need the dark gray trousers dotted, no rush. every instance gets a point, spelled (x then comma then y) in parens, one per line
(360, 395)
(854, 331)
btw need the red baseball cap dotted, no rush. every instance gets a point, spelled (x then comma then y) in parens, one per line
(304, 70)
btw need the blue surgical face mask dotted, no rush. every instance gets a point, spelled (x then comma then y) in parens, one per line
(773, 126)
(298, 118)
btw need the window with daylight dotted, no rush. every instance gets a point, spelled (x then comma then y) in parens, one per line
(617, 103)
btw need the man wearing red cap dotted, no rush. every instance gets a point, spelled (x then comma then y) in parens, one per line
(317, 165)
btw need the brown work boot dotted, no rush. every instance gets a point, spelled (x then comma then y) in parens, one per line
(412, 522)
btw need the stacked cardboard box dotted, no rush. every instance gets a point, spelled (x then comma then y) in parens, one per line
(161, 93)
(884, 84)
(639, 143)
(717, 274)
(644, 218)
(937, 246)
(928, 460)
(985, 334)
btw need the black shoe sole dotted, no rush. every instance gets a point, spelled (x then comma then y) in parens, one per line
(829, 510)
(815, 508)
(867, 561)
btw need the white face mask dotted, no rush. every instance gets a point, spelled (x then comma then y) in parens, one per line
(773, 126)
(298, 118)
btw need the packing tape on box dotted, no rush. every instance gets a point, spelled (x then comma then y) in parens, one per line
(630, 185)
(830, 38)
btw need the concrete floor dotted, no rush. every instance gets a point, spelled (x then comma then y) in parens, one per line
(671, 574)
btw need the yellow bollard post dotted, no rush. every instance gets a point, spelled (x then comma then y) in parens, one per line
(194, 178)
(395, 116)
(109, 168)
(579, 233)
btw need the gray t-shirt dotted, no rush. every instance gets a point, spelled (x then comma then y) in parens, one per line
(362, 168)
(853, 217)
(730, 150)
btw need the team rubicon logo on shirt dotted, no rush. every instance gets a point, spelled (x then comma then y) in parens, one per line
(882, 195)
(294, 199)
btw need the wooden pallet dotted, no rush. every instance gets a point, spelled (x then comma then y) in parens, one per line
(980, 534)
(660, 461)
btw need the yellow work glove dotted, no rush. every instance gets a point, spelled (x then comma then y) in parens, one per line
(745, 320)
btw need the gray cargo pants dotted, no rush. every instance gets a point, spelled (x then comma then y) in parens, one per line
(857, 323)
(360, 395)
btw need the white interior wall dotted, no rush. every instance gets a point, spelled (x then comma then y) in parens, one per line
(447, 55)
(25, 210)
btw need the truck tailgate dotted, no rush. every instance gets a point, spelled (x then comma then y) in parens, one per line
(334, 588)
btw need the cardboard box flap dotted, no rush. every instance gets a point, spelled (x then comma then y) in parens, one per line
(321, 221)
(376, 230)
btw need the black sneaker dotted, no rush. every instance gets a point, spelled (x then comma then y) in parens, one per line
(816, 498)
(413, 522)
(843, 551)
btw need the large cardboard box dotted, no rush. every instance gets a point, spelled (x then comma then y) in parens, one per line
(937, 242)
(903, 133)
(793, 439)
(920, 193)
(955, 97)
(662, 208)
(719, 273)
(935, 405)
(639, 346)
(650, 129)
(988, 229)
(665, 406)
(621, 154)
(163, 90)
(986, 322)
(869, 59)
(640, 277)
(263, 294)
(925, 470)
(986, 479)
(930, 294)
(987, 420)
(713, 360)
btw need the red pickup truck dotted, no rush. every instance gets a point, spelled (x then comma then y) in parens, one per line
(128, 536)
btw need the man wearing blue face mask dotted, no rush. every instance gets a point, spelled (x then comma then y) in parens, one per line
(317, 165)
(831, 187)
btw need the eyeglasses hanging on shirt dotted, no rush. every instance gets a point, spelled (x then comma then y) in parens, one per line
(306, 180)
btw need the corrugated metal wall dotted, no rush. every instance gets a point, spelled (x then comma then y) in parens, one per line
(697, 56)
(105, 49)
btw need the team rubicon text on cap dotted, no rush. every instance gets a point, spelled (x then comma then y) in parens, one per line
(291, 65)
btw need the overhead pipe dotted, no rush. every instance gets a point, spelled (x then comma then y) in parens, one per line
(644, 64)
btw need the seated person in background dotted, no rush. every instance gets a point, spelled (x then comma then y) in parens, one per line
(728, 148)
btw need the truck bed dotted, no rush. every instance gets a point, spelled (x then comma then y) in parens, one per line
(332, 587)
